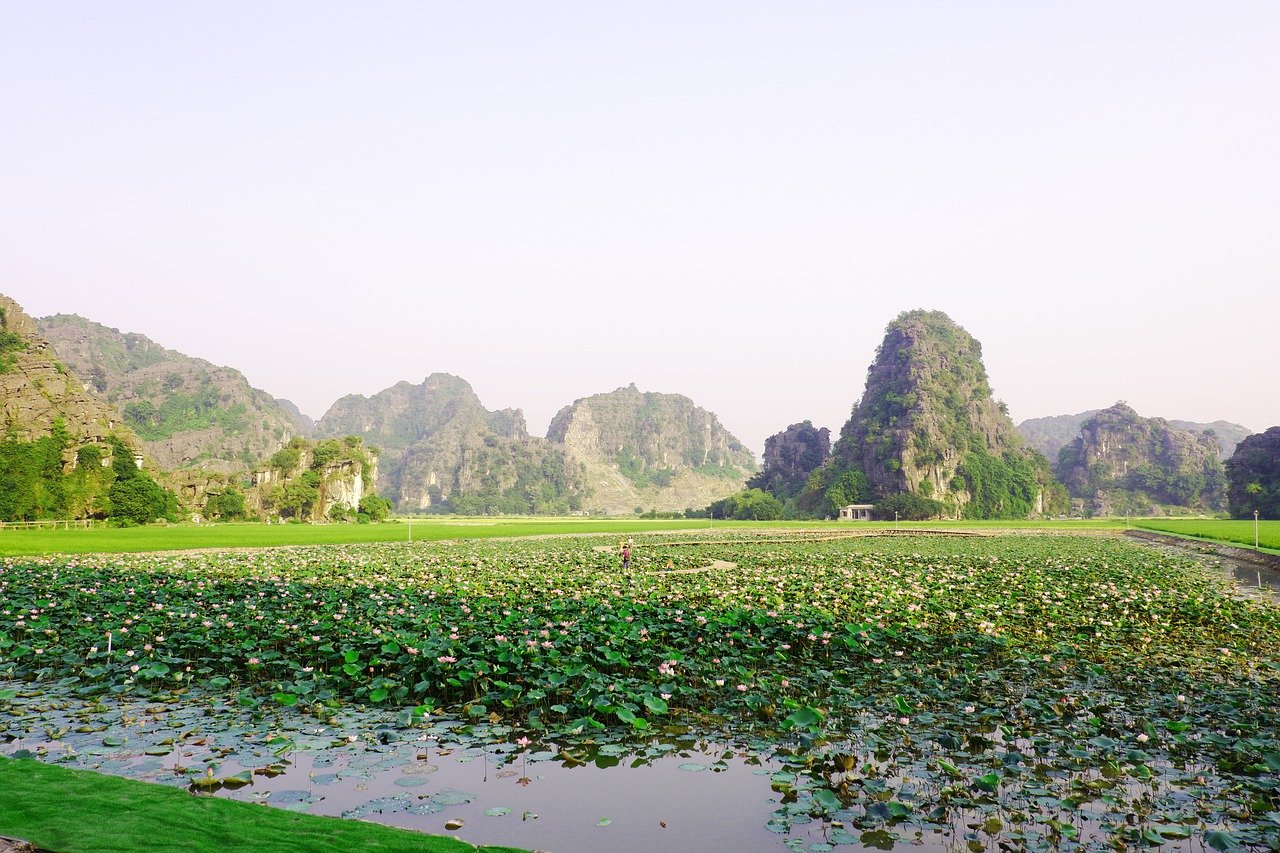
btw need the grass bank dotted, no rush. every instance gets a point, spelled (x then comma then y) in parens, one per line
(68, 811)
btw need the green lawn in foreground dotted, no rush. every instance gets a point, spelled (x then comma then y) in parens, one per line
(182, 537)
(1221, 530)
(68, 811)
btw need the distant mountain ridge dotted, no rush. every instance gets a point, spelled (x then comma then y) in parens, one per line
(188, 412)
(1050, 434)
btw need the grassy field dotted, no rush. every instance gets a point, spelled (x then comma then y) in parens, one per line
(189, 536)
(1219, 530)
(70, 811)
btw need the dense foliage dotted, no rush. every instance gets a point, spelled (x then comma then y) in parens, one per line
(747, 505)
(34, 484)
(1039, 676)
(1253, 476)
(905, 506)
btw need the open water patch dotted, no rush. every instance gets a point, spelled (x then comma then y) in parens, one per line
(488, 784)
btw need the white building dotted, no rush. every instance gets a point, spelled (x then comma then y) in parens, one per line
(856, 512)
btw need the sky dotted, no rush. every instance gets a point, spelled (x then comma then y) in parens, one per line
(726, 200)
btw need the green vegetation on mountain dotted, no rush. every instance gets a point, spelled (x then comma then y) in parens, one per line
(649, 449)
(1125, 464)
(35, 483)
(1253, 476)
(188, 412)
(11, 343)
(180, 412)
(928, 425)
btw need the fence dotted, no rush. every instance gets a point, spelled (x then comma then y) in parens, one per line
(49, 523)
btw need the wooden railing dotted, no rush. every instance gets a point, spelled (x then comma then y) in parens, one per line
(49, 523)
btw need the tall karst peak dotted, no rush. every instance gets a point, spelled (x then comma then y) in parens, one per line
(928, 425)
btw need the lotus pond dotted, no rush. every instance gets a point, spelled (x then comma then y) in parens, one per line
(985, 692)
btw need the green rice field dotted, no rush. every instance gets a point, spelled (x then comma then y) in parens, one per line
(1218, 530)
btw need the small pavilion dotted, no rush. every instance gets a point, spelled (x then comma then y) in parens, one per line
(856, 512)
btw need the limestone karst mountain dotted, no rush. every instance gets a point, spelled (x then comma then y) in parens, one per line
(1050, 434)
(650, 450)
(189, 413)
(1122, 463)
(927, 426)
(440, 448)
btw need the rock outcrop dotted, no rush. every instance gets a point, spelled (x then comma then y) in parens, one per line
(188, 412)
(307, 480)
(927, 425)
(1122, 463)
(790, 457)
(650, 450)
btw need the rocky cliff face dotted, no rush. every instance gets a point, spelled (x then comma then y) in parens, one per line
(188, 412)
(790, 457)
(1050, 434)
(1122, 463)
(439, 444)
(37, 391)
(656, 451)
(927, 425)
(308, 479)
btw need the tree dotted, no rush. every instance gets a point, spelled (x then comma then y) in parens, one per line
(375, 507)
(138, 499)
(747, 505)
(228, 506)
(1253, 476)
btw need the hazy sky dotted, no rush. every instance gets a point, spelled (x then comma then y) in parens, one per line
(724, 200)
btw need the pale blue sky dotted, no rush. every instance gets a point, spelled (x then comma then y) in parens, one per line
(724, 200)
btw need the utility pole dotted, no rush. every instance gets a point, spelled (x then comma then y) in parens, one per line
(1255, 529)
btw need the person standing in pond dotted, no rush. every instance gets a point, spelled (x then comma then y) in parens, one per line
(626, 555)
